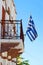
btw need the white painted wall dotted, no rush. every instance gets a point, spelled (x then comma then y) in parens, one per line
(13, 14)
(12, 8)
(0, 15)
(8, 3)
(3, 4)
(0, 9)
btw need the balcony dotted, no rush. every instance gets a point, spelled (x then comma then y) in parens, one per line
(11, 29)
(11, 35)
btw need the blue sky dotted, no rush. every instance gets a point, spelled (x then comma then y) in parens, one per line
(33, 51)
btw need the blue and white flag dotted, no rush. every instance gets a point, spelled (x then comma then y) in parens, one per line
(31, 31)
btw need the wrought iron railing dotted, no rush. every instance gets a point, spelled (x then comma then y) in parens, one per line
(11, 29)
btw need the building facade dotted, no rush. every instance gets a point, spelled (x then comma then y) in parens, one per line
(11, 33)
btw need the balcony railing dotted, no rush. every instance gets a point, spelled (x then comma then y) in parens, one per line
(11, 29)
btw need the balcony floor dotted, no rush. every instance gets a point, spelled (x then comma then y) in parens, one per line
(10, 42)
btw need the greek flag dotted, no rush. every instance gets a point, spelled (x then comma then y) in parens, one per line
(31, 31)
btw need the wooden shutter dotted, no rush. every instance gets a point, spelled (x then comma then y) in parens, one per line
(3, 25)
